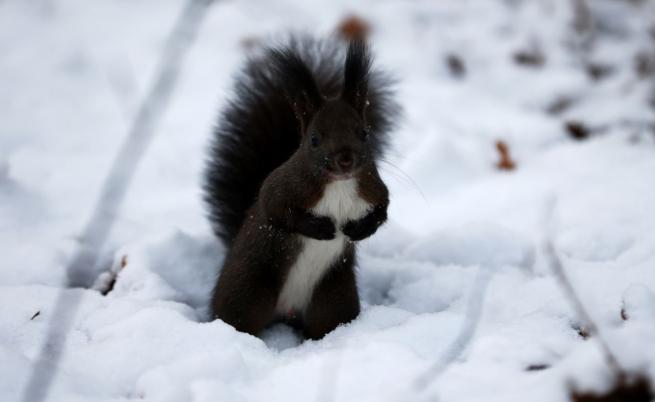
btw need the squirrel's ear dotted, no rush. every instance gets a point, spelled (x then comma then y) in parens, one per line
(298, 84)
(356, 72)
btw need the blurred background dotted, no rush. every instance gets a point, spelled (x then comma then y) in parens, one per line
(529, 73)
(509, 105)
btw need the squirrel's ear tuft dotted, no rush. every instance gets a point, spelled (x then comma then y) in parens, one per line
(356, 72)
(298, 84)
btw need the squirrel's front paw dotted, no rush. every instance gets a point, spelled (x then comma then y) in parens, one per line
(360, 230)
(318, 227)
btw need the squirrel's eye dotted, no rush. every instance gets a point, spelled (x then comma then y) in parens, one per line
(313, 140)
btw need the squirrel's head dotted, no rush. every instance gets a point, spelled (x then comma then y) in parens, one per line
(334, 132)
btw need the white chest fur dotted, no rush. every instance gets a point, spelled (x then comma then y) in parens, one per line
(341, 202)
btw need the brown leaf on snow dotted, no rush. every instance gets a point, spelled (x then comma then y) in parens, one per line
(505, 162)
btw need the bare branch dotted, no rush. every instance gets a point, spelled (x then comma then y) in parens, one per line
(557, 267)
(466, 333)
(572, 297)
(113, 192)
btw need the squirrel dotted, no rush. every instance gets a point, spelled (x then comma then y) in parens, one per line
(291, 184)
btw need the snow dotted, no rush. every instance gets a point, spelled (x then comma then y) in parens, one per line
(461, 232)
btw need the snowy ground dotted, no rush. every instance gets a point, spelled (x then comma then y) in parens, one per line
(73, 72)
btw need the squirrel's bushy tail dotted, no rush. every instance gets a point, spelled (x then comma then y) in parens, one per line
(257, 131)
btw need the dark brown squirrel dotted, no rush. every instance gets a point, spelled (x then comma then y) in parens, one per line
(292, 184)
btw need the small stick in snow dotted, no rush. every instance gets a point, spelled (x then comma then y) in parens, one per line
(113, 276)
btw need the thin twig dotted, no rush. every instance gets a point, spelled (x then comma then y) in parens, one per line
(557, 267)
(407, 178)
(466, 332)
(571, 295)
(113, 192)
(137, 141)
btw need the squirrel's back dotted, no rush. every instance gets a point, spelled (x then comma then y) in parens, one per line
(258, 131)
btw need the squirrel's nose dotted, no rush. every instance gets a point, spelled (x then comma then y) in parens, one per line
(345, 160)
